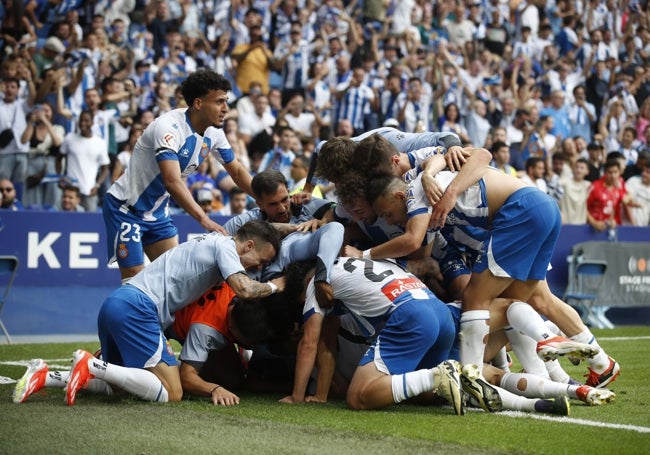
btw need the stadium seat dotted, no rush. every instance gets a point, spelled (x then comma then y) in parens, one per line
(8, 269)
(585, 278)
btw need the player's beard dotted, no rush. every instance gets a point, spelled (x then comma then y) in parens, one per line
(217, 123)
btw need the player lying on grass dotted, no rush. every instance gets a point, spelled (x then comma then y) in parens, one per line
(136, 355)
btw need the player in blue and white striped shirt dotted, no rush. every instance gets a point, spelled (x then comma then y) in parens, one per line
(172, 147)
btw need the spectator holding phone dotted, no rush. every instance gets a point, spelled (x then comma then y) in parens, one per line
(44, 139)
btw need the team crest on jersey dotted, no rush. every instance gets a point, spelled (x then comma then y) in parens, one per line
(122, 251)
(204, 150)
(168, 138)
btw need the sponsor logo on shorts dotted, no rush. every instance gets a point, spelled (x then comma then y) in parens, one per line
(122, 251)
(168, 345)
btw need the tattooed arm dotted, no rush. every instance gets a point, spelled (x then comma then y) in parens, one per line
(247, 288)
(284, 229)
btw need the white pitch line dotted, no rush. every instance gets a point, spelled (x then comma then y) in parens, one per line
(51, 363)
(589, 423)
(623, 338)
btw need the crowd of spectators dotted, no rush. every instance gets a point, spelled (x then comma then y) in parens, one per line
(556, 89)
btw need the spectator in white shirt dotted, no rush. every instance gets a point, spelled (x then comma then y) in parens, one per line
(261, 119)
(86, 161)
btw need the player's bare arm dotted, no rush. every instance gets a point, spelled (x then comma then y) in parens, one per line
(247, 288)
(400, 246)
(170, 172)
(474, 169)
(306, 358)
(325, 359)
(284, 229)
(240, 175)
(195, 385)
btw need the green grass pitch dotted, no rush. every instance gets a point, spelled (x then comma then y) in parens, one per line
(100, 424)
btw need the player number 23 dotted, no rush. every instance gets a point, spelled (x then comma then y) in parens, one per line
(129, 232)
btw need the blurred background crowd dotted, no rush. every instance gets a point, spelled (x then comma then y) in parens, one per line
(557, 90)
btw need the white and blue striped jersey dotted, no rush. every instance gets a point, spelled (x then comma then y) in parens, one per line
(280, 160)
(369, 291)
(170, 137)
(467, 223)
(354, 104)
(409, 142)
(390, 104)
(181, 275)
(296, 68)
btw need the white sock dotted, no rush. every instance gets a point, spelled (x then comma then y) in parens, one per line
(99, 386)
(412, 384)
(554, 328)
(141, 383)
(599, 362)
(556, 372)
(523, 318)
(57, 379)
(500, 360)
(532, 386)
(474, 330)
(512, 402)
(525, 350)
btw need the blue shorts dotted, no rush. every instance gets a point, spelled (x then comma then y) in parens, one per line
(418, 334)
(453, 265)
(127, 233)
(522, 238)
(129, 330)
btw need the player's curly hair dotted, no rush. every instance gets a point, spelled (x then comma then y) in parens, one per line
(202, 81)
(373, 156)
(351, 188)
(335, 158)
